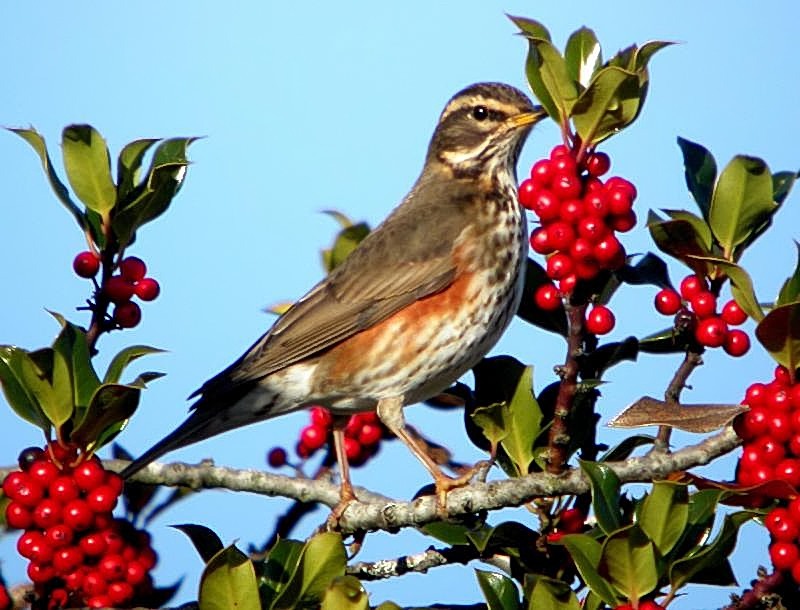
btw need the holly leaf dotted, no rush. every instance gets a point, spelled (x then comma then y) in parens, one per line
(583, 55)
(204, 539)
(779, 333)
(549, 79)
(552, 594)
(586, 552)
(88, 166)
(345, 593)
(628, 561)
(229, 581)
(499, 591)
(680, 239)
(124, 358)
(605, 486)
(608, 104)
(20, 398)
(741, 285)
(111, 406)
(664, 514)
(790, 291)
(700, 170)
(129, 163)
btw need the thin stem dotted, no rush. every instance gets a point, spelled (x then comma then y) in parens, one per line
(559, 438)
(691, 361)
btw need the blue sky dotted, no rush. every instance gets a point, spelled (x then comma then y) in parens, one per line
(306, 108)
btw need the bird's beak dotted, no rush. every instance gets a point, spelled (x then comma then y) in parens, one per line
(528, 118)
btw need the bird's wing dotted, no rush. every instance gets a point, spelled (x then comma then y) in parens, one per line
(409, 256)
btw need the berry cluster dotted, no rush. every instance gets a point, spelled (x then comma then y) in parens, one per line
(579, 215)
(697, 304)
(362, 437)
(79, 554)
(569, 521)
(121, 288)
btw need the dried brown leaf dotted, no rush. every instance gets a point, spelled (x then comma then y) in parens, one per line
(701, 418)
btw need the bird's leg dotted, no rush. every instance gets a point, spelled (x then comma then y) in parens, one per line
(346, 492)
(390, 412)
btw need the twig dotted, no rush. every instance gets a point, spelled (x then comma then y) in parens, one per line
(419, 562)
(691, 361)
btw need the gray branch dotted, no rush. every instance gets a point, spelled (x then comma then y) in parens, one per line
(376, 512)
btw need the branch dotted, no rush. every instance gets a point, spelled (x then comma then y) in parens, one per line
(419, 562)
(376, 512)
(691, 361)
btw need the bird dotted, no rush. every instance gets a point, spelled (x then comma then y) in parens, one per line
(419, 302)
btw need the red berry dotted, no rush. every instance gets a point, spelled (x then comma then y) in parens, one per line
(135, 573)
(783, 376)
(592, 185)
(40, 573)
(277, 457)
(546, 205)
(615, 182)
(58, 535)
(74, 580)
(115, 482)
(127, 315)
(704, 304)
(597, 163)
(788, 470)
(120, 593)
(67, 560)
(794, 445)
(595, 204)
(609, 252)
(564, 164)
(118, 289)
(559, 151)
(540, 241)
(132, 268)
(560, 235)
(44, 472)
(526, 192)
(559, 266)
(780, 426)
(63, 489)
(567, 285)
(623, 222)
(27, 493)
(112, 567)
(620, 202)
(542, 173)
(756, 395)
(581, 249)
(89, 474)
(692, 285)
(94, 583)
(14, 481)
(587, 269)
(547, 297)
(571, 520)
(737, 343)
(370, 434)
(778, 399)
(302, 451)
(18, 516)
(47, 513)
(102, 499)
(566, 185)
(78, 515)
(86, 264)
(148, 557)
(571, 211)
(34, 546)
(320, 416)
(733, 314)
(753, 424)
(99, 601)
(794, 509)
(592, 228)
(667, 302)
(600, 320)
(796, 573)
(649, 604)
(711, 332)
(352, 448)
(313, 437)
(784, 555)
(771, 450)
(93, 544)
(147, 289)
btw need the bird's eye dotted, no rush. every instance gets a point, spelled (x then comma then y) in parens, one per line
(479, 113)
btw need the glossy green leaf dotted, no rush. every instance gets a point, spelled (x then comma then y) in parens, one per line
(507, 538)
(679, 239)
(608, 104)
(549, 79)
(779, 333)
(345, 593)
(741, 201)
(171, 153)
(701, 172)
(666, 341)
(782, 183)
(643, 54)
(790, 291)
(624, 58)
(18, 395)
(88, 166)
(649, 269)
(124, 358)
(323, 560)
(32, 137)
(447, 532)
(282, 563)
(499, 591)
(492, 420)
(530, 28)
(741, 286)
(605, 487)
(592, 601)
(36, 373)
(586, 552)
(583, 55)
(700, 226)
(683, 570)
(524, 421)
(628, 561)
(553, 321)
(204, 539)
(129, 163)
(112, 404)
(624, 449)
(664, 514)
(346, 241)
(552, 594)
(73, 347)
(229, 581)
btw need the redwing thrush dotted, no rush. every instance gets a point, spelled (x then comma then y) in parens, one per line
(420, 301)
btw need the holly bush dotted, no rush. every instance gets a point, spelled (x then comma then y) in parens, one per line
(582, 535)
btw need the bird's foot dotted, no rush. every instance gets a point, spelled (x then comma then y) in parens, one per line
(346, 498)
(445, 484)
